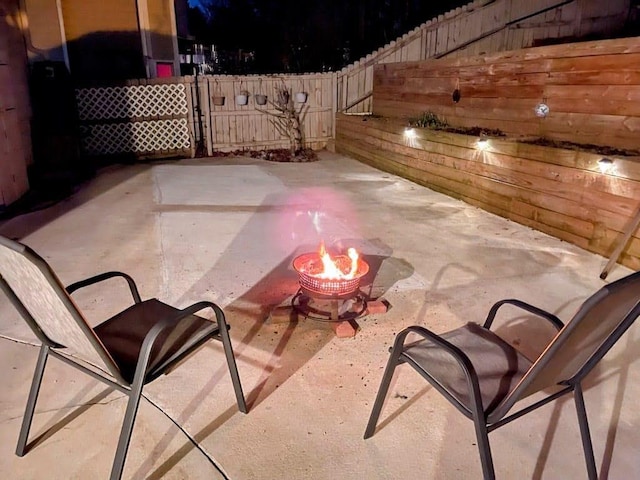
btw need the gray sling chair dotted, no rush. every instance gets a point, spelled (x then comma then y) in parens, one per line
(484, 376)
(126, 351)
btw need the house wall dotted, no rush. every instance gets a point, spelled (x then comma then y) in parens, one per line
(82, 17)
(15, 141)
(103, 40)
(162, 28)
(158, 23)
(44, 37)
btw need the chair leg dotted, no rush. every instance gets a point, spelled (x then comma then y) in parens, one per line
(382, 391)
(233, 368)
(584, 433)
(482, 437)
(127, 427)
(31, 402)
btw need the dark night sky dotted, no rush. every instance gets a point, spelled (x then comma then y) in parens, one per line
(308, 35)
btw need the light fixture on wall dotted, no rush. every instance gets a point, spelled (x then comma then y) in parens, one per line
(456, 95)
(605, 165)
(541, 109)
(482, 143)
(410, 133)
(411, 137)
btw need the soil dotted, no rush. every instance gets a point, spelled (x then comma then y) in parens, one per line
(274, 155)
(545, 142)
(599, 149)
(476, 131)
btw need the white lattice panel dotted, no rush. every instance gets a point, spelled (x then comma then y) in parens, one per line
(131, 102)
(136, 137)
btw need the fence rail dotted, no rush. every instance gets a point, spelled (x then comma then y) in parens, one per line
(235, 126)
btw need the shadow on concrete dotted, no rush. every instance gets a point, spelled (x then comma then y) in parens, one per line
(272, 350)
(531, 334)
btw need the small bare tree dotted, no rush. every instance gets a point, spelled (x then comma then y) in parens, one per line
(287, 119)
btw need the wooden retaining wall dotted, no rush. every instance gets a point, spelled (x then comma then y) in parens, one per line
(481, 27)
(591, 88)
(556, 191)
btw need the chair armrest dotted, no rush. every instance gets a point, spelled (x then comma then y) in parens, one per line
(152, 335)
(461, 358)
(105, 276)
(555, 321)
(427, 334)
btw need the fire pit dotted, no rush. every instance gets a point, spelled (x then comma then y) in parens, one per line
(310, 270)
(330, 282)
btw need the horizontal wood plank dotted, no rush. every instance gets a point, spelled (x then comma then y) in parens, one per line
(556, 191)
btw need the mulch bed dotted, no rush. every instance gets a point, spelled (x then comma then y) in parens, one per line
(599, 149)
(274, 155)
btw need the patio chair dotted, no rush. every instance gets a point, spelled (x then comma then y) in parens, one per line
(484, 376)
(126, 351)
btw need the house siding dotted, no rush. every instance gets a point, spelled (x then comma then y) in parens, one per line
(15, 140)
(103, 40)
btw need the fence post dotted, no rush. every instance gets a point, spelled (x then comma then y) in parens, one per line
(205, 110)
(334, 104)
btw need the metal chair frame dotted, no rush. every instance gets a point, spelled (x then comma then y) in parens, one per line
(113, 378)
(486, 422)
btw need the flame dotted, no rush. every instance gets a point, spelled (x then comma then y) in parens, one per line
(331, 268)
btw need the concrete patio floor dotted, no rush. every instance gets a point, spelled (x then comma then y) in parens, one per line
(226, 230)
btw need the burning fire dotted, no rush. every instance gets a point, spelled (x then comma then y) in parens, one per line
(338, 268)
(333, 269)
(324, 274)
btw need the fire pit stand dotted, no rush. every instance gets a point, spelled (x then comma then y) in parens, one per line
(329, 308)
(329, 299)
(338, 301)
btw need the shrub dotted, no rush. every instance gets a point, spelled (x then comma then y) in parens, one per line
(429, 120)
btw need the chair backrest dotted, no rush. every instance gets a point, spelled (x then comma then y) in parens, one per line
(32, 285)
(584, 340)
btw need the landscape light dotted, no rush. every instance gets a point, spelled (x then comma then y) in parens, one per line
(605, 165)
(541, 110)
(482, 144)
(410, 133)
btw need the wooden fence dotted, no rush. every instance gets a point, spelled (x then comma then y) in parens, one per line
(480, 27)
(176, 116)
(146, 118)
(232, 126)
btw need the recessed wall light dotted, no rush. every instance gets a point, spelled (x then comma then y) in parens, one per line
(482, 144)
(605, 165)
